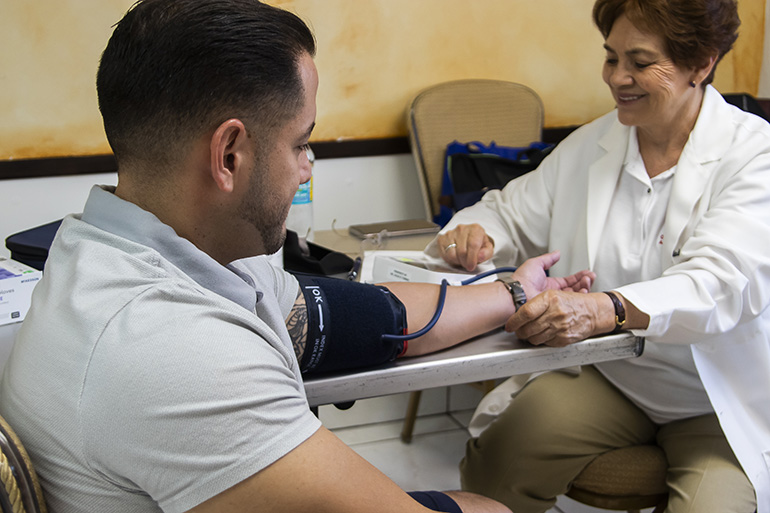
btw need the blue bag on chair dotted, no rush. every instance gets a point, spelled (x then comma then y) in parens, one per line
(471, 169)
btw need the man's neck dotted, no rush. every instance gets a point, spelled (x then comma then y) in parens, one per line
(194, 217)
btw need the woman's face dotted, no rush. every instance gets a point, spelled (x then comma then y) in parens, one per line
(649, 89)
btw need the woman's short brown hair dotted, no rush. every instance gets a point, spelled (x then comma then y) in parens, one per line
(692, 30)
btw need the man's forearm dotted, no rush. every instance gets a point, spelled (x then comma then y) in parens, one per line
(469, 311)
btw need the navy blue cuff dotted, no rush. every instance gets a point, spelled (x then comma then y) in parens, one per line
(436, 501)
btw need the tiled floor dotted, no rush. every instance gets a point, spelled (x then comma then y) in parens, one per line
(429, 462)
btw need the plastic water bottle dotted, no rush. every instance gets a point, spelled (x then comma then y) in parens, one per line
(300, 217)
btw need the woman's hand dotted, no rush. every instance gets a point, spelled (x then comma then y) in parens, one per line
(466, 246)
(561, 317)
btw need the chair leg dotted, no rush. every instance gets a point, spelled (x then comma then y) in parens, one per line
(411, 416)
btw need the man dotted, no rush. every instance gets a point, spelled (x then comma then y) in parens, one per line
(155, 370)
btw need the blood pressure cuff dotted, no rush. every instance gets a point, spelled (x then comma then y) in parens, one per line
(346, 321)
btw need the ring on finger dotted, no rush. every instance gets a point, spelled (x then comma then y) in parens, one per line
(450, 246)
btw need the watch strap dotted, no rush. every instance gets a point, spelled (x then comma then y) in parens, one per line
(620, 312)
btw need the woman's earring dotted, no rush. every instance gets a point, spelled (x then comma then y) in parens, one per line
(692, 83)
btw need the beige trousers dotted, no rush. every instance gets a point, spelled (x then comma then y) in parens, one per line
(560, 422)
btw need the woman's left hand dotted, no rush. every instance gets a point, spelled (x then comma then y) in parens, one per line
(559, 317)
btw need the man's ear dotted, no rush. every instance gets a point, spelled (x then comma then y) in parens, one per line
(231, 151)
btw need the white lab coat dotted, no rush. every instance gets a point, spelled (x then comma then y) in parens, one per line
(715, 288)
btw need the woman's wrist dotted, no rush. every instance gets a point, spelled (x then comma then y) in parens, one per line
(626, 316)
(619, 311)
(604, 314)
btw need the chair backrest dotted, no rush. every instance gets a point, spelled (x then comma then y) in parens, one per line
(20, 491)
(482, 110)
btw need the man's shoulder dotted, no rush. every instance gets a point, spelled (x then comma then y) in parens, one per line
(118, 291)
(99, 272)
(79, 242)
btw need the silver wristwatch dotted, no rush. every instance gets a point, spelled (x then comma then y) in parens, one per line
(516, 290)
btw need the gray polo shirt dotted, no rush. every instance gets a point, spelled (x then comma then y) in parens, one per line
(146, 376)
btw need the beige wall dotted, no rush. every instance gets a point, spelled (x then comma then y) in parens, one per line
(49, 51)
(373, 56)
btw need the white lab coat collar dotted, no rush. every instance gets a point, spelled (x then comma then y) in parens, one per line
(708, 142)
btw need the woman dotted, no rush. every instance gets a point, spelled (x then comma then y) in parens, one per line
(667, 199)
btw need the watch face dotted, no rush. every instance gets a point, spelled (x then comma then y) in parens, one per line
(519, 296)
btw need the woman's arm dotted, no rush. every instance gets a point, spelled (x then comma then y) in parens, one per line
(559, 318)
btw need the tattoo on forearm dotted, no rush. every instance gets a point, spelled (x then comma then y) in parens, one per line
(296, 323)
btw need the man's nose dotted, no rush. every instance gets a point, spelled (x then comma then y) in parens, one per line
(306, 168)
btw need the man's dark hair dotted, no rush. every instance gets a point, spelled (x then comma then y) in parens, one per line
(174, 69)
